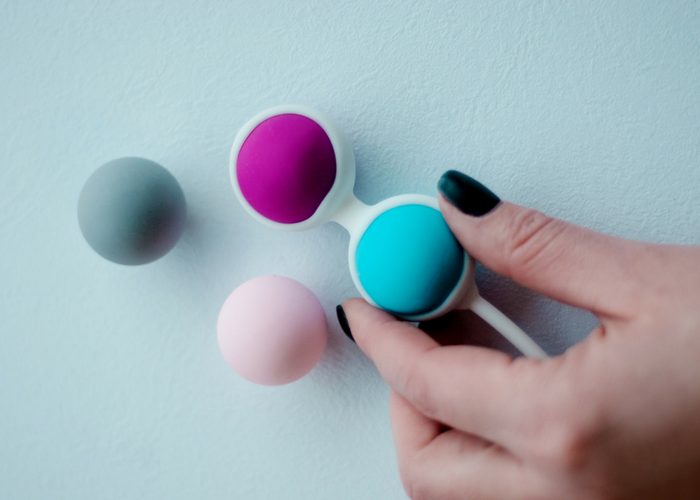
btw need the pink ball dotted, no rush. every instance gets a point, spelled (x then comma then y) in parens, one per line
(272, 330)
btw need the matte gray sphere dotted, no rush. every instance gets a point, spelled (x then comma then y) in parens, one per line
(132, 211)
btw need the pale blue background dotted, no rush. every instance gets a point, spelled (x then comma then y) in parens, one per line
(111, 385)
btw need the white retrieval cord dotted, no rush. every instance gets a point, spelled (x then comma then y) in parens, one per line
(501, 323)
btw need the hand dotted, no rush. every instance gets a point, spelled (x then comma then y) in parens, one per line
(616, 416)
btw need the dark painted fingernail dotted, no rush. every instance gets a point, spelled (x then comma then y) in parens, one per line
(343, 321)
(468, 195)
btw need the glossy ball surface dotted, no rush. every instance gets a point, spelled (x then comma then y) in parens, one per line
(272, 330)
(408, 261)
(132, 211)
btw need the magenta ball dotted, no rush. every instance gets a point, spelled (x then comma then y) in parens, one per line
(286, 167)
(272, 330)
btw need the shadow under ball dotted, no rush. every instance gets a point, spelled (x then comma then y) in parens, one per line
(132, 211)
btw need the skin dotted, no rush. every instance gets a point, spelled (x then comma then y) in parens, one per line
(616, 416)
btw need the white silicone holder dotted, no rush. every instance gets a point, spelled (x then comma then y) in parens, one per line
(342, 206)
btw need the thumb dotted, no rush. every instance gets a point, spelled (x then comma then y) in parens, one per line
(473, 389)
(567, 262)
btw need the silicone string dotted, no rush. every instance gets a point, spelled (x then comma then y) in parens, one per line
(506, 327)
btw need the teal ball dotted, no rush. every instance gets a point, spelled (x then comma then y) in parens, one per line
(408, 261)
(132, 211)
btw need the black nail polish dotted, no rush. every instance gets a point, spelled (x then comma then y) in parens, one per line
(467, 194)
(343, 322)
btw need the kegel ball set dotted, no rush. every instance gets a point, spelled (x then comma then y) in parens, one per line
(292, 169)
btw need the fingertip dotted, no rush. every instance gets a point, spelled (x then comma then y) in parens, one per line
(362, 318)
(463, 226)
(353, 303)
(449, 211)
(468, 195)
(457, 218)
(359, 309)
(446, 207)
(382, 337)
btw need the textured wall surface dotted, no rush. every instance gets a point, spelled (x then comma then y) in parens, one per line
(111, 384)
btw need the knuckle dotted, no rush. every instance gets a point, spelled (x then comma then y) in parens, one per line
(567, 446)
(564, 432)
(531, 238)
(571, 447)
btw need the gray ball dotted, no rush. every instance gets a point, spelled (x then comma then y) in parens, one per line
(132, 211)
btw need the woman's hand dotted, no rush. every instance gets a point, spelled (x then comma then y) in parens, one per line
(616, 416)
